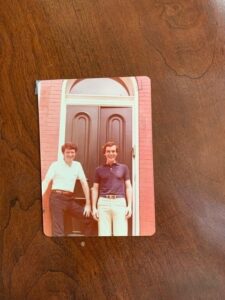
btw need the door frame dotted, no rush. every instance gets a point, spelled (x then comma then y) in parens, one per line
(111, 101)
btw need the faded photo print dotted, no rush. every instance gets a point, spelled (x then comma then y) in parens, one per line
(96, 156)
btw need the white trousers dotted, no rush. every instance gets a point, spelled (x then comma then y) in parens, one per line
(112, 217)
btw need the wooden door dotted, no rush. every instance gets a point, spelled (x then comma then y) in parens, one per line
(82, 126)
(116, 125)
(90, 127)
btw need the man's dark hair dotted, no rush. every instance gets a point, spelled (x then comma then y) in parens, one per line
(69, 146)
(109, 144)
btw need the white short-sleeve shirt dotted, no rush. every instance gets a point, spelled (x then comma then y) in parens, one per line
(64, 176)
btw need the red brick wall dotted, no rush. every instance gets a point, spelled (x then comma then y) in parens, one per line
(146, 187)
(49, 116)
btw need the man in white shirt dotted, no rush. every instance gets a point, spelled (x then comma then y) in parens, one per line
(63, 175)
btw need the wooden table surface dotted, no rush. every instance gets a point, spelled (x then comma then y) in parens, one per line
(180, 45)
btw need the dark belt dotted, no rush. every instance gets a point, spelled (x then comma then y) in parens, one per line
(112, 196)
(66, 193)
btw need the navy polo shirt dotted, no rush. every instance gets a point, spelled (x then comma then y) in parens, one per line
(111, 179)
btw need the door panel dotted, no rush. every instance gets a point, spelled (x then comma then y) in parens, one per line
(116, 125)
(82, 129)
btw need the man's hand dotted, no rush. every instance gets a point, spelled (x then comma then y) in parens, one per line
(87, 210)
(95, 214)
(128, 212)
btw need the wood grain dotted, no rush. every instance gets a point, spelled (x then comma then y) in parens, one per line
(180, 45)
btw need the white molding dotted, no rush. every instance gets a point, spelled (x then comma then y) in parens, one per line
(62, 121)
(85, 96)
(100, 102)
(112, 101)
(135, 130)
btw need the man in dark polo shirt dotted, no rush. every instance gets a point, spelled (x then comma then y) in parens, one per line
(112, 195)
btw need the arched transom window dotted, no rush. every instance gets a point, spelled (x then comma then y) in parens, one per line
(99, 86)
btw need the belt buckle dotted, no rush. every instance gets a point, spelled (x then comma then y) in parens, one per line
(63, 192)
(57, 191)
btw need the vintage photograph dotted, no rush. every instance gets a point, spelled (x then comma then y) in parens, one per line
(96, 156)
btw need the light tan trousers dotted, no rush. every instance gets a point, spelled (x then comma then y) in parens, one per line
(112, 217)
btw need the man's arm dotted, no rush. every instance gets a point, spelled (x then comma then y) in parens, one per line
(94, 201)
(129, 198)
(48, 177)
(85, 187)
(44, 185)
